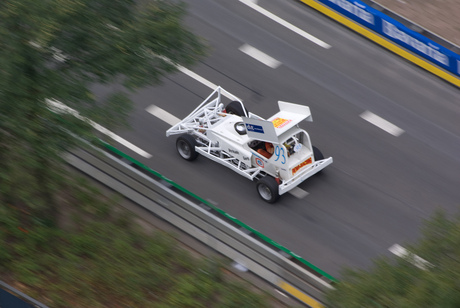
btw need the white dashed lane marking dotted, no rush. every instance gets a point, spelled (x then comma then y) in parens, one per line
(402, 252)
(57, 106)
(197, 77)
(298, 193)
(202, 80)
(382, 123)
(163, 115)
(260, 56)
(252, 4)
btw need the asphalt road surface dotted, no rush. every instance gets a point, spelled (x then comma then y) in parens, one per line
(391, 127)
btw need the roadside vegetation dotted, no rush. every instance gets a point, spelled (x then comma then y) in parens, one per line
(93, 256)
(57, 51)
(409, 282)
(100, 258)
(62, 242)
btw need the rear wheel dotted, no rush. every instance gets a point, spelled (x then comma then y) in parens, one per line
(268, 189)
(185, 146)
(236, 108)
(317, 154)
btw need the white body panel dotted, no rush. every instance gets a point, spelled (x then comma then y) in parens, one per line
(259, 129)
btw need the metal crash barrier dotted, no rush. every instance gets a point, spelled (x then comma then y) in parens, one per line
(12, 298)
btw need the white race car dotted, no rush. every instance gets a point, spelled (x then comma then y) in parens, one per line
(275, 152)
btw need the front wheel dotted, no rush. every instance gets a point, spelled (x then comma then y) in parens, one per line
(185, 146)
(268, 189)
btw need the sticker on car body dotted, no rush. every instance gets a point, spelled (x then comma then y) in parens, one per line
(302, 164)
(259, 162)
(280, 122)
(255, 128)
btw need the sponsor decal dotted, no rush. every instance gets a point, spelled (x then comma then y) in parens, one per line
(245, 158)
(297, 147)
(255, 128)
(259, 162)
(356, 9)
(233, 151)
(427, 49)
(299, 166)
(279, 122)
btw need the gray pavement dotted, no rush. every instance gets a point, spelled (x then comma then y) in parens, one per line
(380, 186)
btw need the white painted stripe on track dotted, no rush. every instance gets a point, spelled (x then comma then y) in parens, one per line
(260, 56)
(252, 4)
(197, 77)
(298, 193)
(382, 123)
(162, 115)
(60, 107)
(202, 80)
(402, 252)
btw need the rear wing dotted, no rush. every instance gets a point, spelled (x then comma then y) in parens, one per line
(269, 130)
(289, 116)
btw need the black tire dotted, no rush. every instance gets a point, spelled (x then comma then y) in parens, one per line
(317, 154)
(185, 146)
(268, 189)
(236, 108)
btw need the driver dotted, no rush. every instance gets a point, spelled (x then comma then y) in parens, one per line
(268, 151)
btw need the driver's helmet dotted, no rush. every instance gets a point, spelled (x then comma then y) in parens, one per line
(269, 147)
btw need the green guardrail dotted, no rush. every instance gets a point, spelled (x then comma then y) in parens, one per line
(233, 219)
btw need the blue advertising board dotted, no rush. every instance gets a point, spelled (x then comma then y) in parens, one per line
(393, 30)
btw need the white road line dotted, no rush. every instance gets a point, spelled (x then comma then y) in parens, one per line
(202, 80)
(197, 77)
(163, 115)
(252, 4)
(402, 252)
(260, 56)
(298, 193)
(382, 123)
(60, 107)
